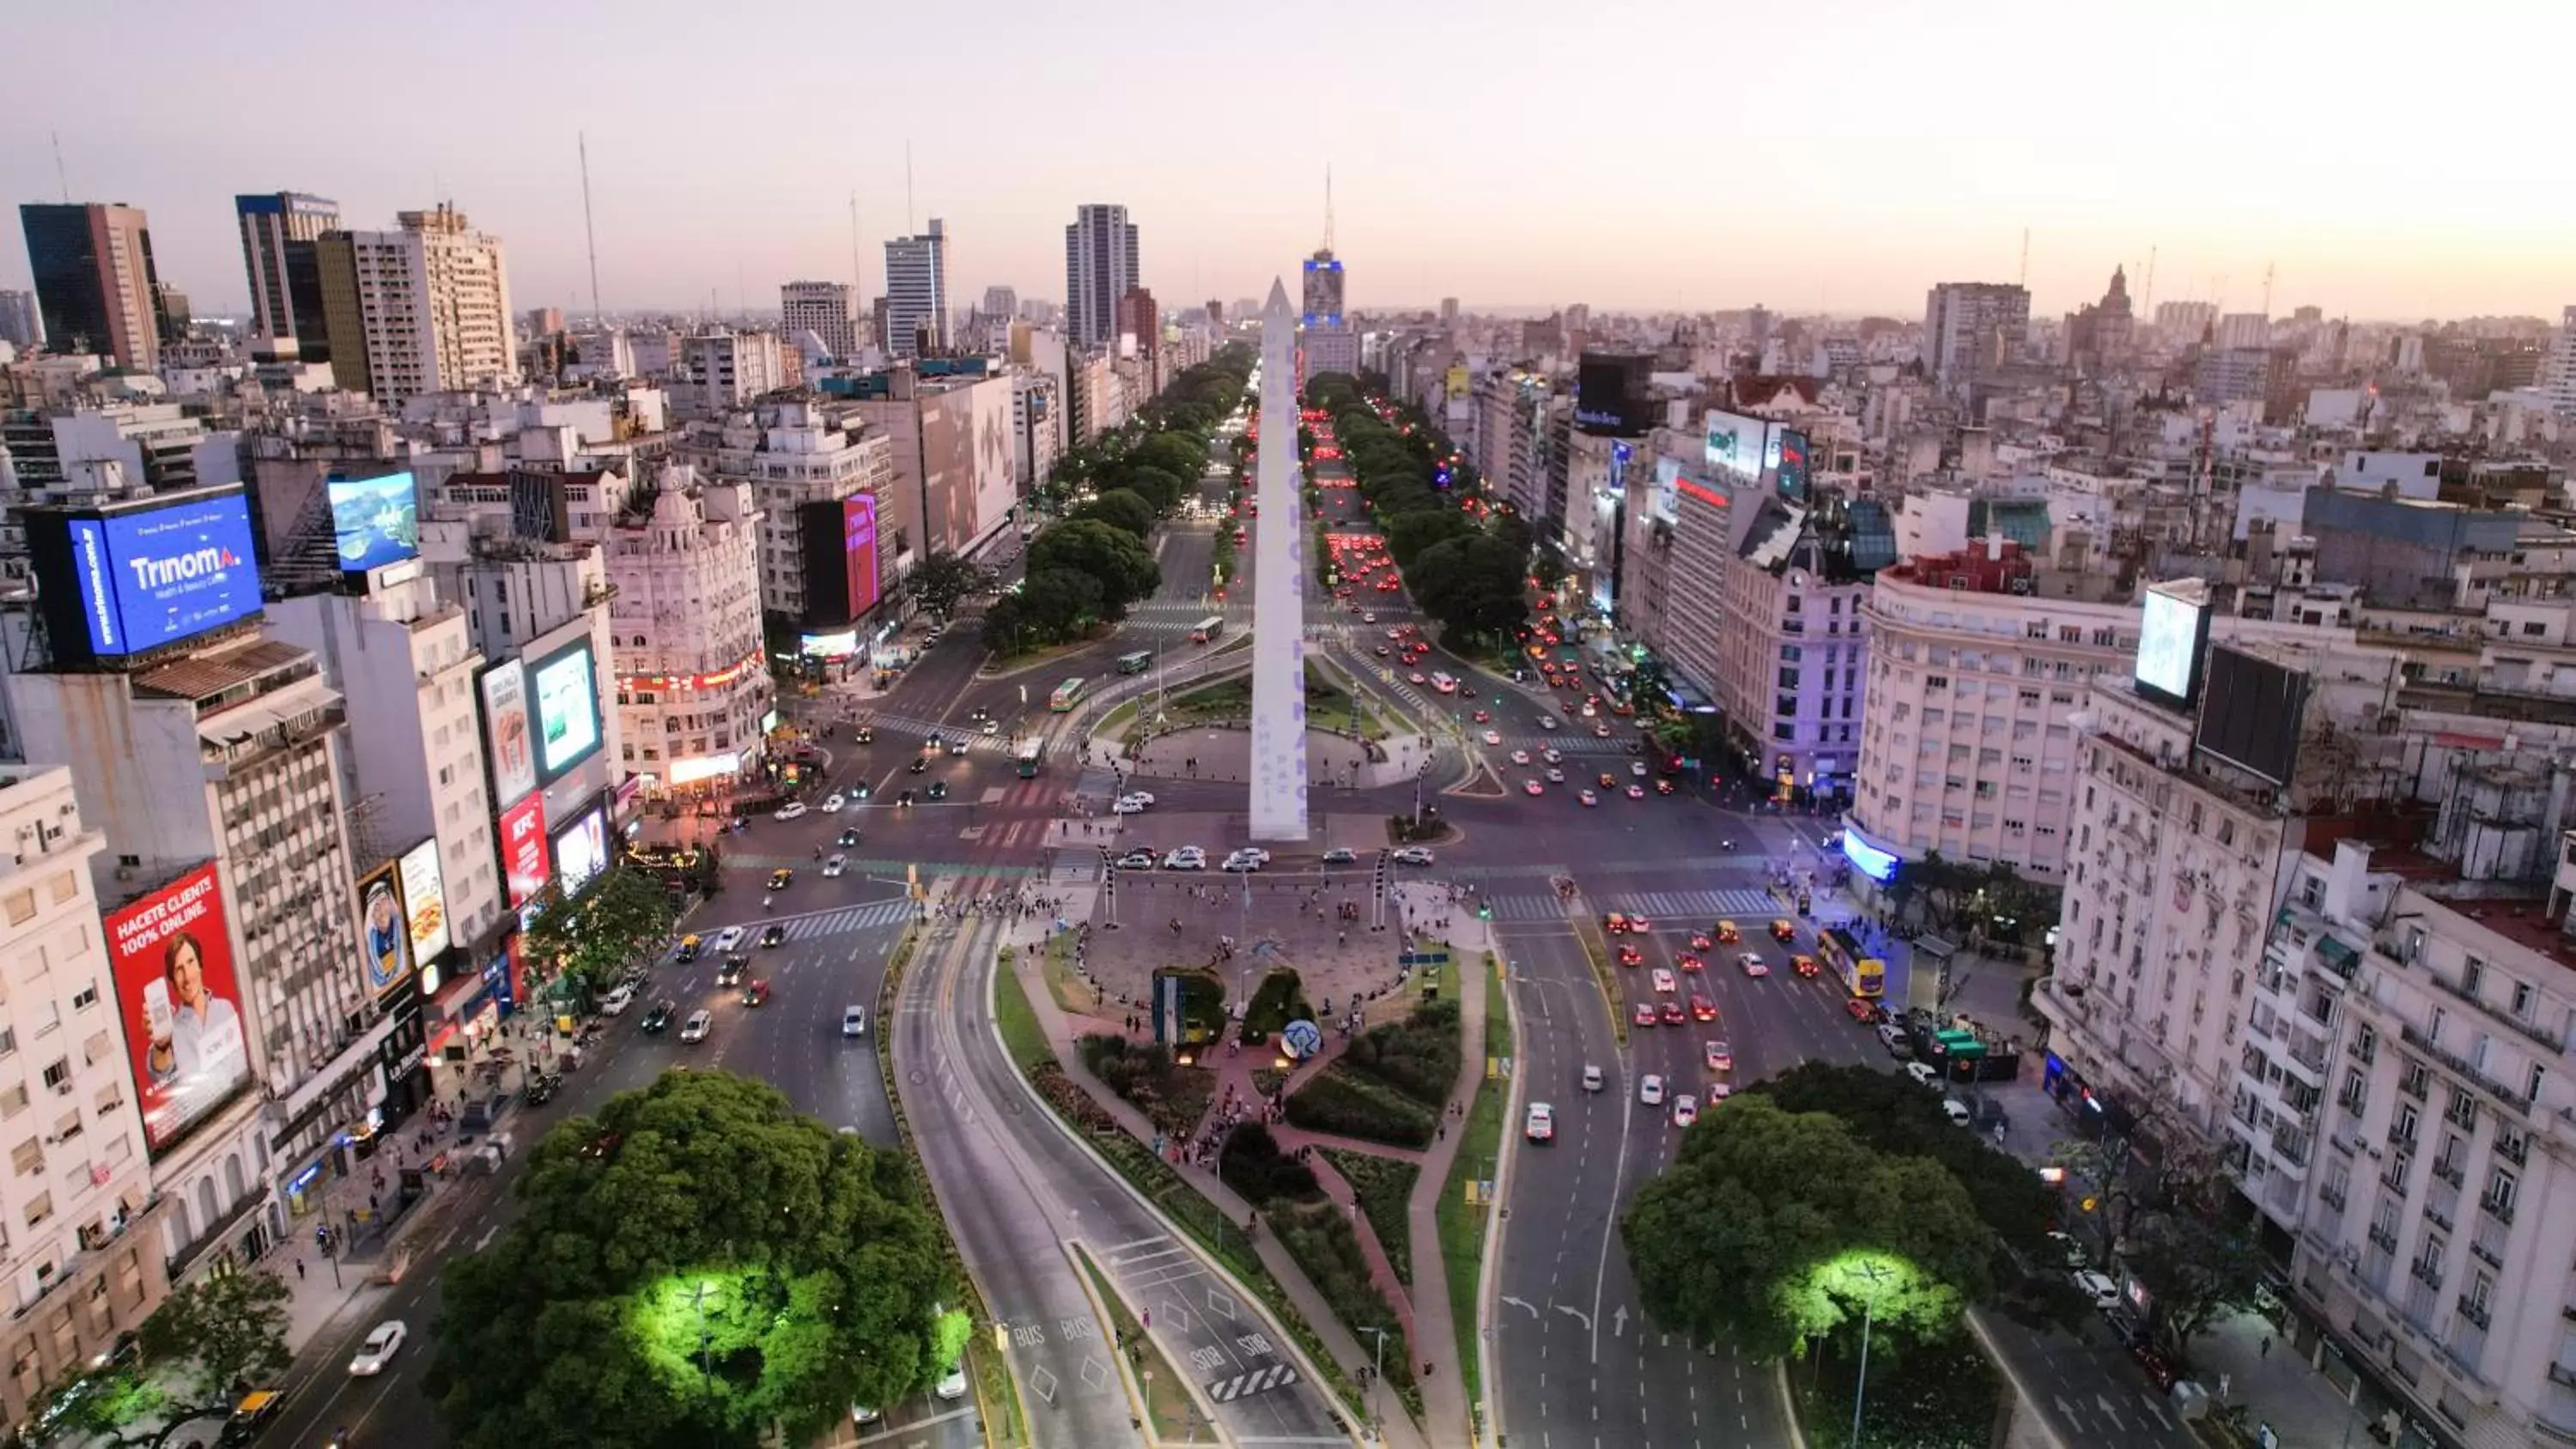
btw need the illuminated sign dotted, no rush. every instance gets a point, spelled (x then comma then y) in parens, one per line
(1733, 443)
(523, 849)
(1869, 860)
(567, 704)
(705, 767)
(717, 680)
(859, 549)
(2171, 631)
(1705, 495)
(1788, 458)
(384, 930)
(154, 576)
(374, 521)
(582, 851)
(171, 958)
(835, 645)
(507, 732)
(424, 893)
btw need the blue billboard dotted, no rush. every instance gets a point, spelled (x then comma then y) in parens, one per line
(156, 576)
(374, 521)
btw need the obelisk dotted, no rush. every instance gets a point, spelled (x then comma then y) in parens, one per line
(1278, 777)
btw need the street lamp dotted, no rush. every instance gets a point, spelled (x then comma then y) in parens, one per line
(706, 1361)
(1376, 1373)
(1877, 1275)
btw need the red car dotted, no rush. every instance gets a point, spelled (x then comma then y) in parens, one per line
(1689, 962)
(1700, 941)
(1674, 1015)
(1860, 1010)
(1703, 1009)
(1631, 956)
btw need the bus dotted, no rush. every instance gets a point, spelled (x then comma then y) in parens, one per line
(1863, 975)
(1207, 629)
(1031, 753)
(1066, 695)
(1136, 663)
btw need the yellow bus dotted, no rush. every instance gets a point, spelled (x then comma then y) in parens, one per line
(1862, 975)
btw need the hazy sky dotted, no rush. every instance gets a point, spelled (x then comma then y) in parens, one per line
(2392, 161)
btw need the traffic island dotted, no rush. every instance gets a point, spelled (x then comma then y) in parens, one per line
(1169, 1412)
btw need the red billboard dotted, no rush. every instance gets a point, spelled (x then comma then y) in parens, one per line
(171, 957)
(523, 849)
(859, 548)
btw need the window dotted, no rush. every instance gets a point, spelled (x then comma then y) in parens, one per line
(86, 997)
(27, 1157)
(59, 1073)
(2501, 1187)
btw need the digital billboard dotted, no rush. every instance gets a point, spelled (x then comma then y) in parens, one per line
(171, 958)
(384, 930)
(2171, 633)
(424, 893)
(1612, 395)
(2252, 713)
(374, 521)
(523, 850)
(508, 733)
(566, 697)
(1733, 443)
(139, 578)
(582, 851)
(859, 550)
(1787, 452)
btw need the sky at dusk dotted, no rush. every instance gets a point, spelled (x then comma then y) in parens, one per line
(1838, 155)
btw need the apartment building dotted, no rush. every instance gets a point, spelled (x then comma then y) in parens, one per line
(795, 451)
(422, 309)
(829, 310)
(692, 685)
(718, 371)
(96, 288)
(916, 302)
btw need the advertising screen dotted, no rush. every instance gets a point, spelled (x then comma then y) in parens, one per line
(384, 930)
(375, 521)
(1611, 394)
(156, 576)
(1668, 489)
(859, 547)
(523, 850)
(567, 710)
(2169, 639)
(507, 731)
(1788, 454)
(424, 893)
(995, 490)
(582, 851)
(1733, 443)
(172, 960)
(2252, 713)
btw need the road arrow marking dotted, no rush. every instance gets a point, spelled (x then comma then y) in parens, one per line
(1577, 1314)
(1517, 1303)
(2111, 1411)
(1619, 1321)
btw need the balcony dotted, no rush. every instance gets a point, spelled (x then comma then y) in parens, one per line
(2442, 1205)
(2513, 1147)
(2426, 1272)
(2334, 1195)
(2457, 1063)
(2498, 1208)
(2475, 1313)
(2530, 1029)
(2450, 1172)
(2385, 1240)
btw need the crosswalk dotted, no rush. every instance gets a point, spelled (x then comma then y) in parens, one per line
(1258, 1381)
(1678, 906)
(849, 918)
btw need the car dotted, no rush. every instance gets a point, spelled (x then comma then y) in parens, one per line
(616, 1002)
(2074, 1252)
(1341, 855)
(1958, 1113)
(1664, 984)
(832, 803)
(1484, 717)
(863, 1415)
(1630, 955)
(1241, 863)
(1141, 797)
(864, 735)
(792, 810)
(1520, 757)
(251, 1413)
(1601, 731)
(659, 1018)
(728, 938)
(1924, 1074)
(1727, 934)
(1188, 857)
(1379, 651)
(992, 726)
(1804, 965)
(1650, 1090)
(952, 1384)
(1699, 941)
(1591, 1078)
(1136, 860)
(1548, 722)
(1753, 965)
(1721, 1057)
(919, 766)
(932, 745)
(1858, 1008)
(1413, 855)
(688, 952)
(1636, 792)
(1532, 787)
(1555, 776)
(1126, 805)
(1588, 798)
(2097, 1285)
(1368, 617)
(1637, 768)
(1645, 1014)
(730, 973)
(772, 934)
(783, 877)
(1416, 676)
(1553, 757)
(1691, 961)
(1663, 787)
(1540, 1126)
(903, 799)
(938, 790)
(847, 838)
(854, 1021)
(1701, 1008)
(1615, 923)
(1784, 930)
(757, 993)
(1493, 737)
(835, 867)
(1685, 1110)
(383, 1342)
(1608, 781)
(1674, 1015)
(695, 1029)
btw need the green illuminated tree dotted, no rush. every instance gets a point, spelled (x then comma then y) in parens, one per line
(206, 1337)
(621, 916)
(696, 1264)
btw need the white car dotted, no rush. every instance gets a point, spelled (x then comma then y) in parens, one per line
(1136, 860)
(1144, 798)
(1413, 855)
(1127, 805)
(1637, 768)
(1493, 737)
(1685, 1110)
(1555, 776)
(832, 803)
(835, 866)
(1241, 861)
(1520, 757)
(1591, 1078)
(1957, 1111)
(727, 939)
(1549, 722)
(992, 726)
(2096, 1286)
(1664, 983)
(792, 810)
(1924, 1075)
(1541, 1126)
(383, 1342)
(952, 1384)
(617, 1001)
(1753, 965)
(1553, 757)
(854, 1021)
(1650, 1090)
(1253, 852)
(1188, 857)
(695, 1029)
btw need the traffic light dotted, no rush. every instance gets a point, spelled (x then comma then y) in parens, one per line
(1484, 910)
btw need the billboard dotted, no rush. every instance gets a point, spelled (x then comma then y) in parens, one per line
(1612, 395)
(384, 930)
(374, 521)
(122, 581)
(581, 852)
(2171, 633)
(424, 893)
(507, 733)
(947, 471)
(171, 957)
(859, 548)
(565, 694)
(842, 580)
(523, 850)
(1787, 452)
(1733, 443)
(2252, 712)
(997, 480)
(1458, 383)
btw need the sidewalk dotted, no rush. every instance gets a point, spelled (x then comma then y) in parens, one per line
(1444, 1395)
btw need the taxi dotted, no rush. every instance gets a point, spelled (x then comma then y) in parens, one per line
(1727, 934)
(1784, 930)
(1803, 965)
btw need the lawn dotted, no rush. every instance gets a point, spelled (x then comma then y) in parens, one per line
(1596, 949)
(1464, 1226)
(1021, 1035)
(1168, 1405)
(1384, 1188)
(1932, 1396)
(1071, 992)
(1323, 1242)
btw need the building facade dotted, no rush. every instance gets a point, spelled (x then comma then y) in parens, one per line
(916, 299)
(829, 310)
(1972, 328)
(423, 309)
(279, 233)
(21, 324)
(1101, 261)
(721, 370)
(795, 451)
(692, 683)
(96, 287)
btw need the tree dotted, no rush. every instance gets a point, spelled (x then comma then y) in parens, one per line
(1123, 509)
(1547, 565)
(1650, 687)
(1409, 534)
(1182, 455)
(1053, 605)
(618, 916)
(1126, 571)
(1472, 585)
(941, 581)
(206, 1338)
(1159, 487)
(1765, 1228)
(2194, 1266)
(696, 1265)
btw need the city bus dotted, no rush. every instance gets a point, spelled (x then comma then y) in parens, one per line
(1136, 663)
(1031, 753)
(1863, 975)
(1207, 629)
(1066, 695)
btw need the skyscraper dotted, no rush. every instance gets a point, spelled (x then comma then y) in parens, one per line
(917, 292)
(1002, 302)
(278, 232)
(1140, 317)
(829, 310)
(19, 322)
(1970, 328)
(94, 279)
(2557, 374)
(1100, 264)
(419, 310)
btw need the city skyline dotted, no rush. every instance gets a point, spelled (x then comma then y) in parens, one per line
(1853, 208)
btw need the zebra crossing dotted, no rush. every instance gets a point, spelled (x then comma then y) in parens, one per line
(1257, 1381)
(1677, 905)
(849, 918)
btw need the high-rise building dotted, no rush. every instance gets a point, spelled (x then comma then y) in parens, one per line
(1972, 328)
(829, 310)
(20, 323)
(692, 684)
(2557, 374)
(94, 279)
(1448, 311)
(1100, 264)
(1216, 313)
(917, 292)
(1140, 318)
(420, 310)
(279, 231)
(1001, 303)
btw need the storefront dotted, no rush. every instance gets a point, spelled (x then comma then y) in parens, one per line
(463, 1021)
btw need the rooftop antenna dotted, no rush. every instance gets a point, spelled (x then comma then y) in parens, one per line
(1328, 208)
(2147, 308)
(590, 228)
(2267, 291)
(858, 278)
(2024, 283)
(908, 224)
(62, 178)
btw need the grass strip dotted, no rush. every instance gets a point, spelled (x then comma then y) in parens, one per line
(1384, 1188)
(1022, 1036)
(1465, 1226)
(1168, 1406)
(1596, 949)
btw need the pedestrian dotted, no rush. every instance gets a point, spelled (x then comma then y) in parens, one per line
(299, 1270)
(2266, 1350)
(1426, 1368)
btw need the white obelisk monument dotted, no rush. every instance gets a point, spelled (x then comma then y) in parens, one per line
(1278, 805)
